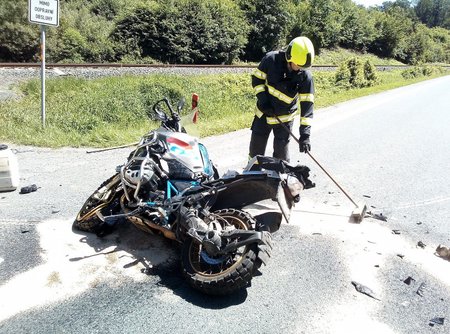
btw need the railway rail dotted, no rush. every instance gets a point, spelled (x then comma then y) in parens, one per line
(162, 66)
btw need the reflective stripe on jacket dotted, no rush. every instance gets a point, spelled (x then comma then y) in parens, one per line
(282, 92)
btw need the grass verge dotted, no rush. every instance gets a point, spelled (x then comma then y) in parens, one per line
(112, 111)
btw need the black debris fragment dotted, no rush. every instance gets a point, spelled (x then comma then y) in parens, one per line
(401, 256)
(367, 196)
(419, 223)
(421, 244)
(421, 289)
(378, 216)
(443, 252)
(436, 321)
(364, 289)
(409, 280)
(28, 189)
(396, 231)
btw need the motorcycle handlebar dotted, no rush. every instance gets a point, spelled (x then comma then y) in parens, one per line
(166, 101)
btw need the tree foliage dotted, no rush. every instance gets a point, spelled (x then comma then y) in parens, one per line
(19, 41)
(270, 22)
(434, 13)
(189, 31)
(224, 31)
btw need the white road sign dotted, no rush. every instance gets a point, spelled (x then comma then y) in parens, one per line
(44, 12)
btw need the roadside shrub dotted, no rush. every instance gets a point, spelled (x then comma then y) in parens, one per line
(188, 31)
(353, 73)
(370, 73)
(421, 71)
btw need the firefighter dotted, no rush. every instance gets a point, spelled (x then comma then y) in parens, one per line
(284, 87)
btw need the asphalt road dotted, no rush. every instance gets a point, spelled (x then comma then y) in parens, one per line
(389, 149)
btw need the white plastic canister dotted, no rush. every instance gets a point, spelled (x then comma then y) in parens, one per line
(9, 169)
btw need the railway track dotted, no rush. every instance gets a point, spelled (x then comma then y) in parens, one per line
(163, 66)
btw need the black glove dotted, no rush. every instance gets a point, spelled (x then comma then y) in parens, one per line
(304, 145)
(265, 108)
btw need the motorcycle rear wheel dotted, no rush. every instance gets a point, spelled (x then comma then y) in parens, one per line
(87, 218)
(225, 275)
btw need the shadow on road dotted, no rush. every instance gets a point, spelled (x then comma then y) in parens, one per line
(157, 257)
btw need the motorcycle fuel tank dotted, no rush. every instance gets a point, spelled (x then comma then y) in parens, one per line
(184, 152)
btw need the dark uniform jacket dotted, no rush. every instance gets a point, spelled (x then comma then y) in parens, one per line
(283, 93)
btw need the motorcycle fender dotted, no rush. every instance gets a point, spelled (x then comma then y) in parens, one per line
(252, 189)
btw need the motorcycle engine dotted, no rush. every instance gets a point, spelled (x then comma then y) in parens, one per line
(142, 172)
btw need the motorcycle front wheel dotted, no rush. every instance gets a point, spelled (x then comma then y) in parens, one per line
(87, 218)
(224, 274)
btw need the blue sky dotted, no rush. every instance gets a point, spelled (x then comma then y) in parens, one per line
(368, 3)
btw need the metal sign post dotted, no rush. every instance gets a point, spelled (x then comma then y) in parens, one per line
(43, 12)
(43, 75)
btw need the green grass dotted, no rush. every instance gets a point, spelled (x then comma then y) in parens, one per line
(112, 111)
(339, 55)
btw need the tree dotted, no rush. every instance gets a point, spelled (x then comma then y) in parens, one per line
(19, 40)
(270, 23)
(393, 28)
(186, 31)
(434, 13)
(324, 26)
(358, 28)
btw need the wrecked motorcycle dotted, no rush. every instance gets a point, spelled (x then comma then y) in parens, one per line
(168, 185)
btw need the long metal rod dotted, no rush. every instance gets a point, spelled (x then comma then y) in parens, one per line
(111, 148)
(318, 164)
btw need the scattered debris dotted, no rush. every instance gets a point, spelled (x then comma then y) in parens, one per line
(317, 233)
(364, 289)
(401, 256)
(421, 244)
(60, 73)
(421, 289)
(396, 231)
(378, 216)
(55, 211)
(409, 280)
(443, 252)
(436, 321)
(367, 196)
(419, 223)
(28, 189)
